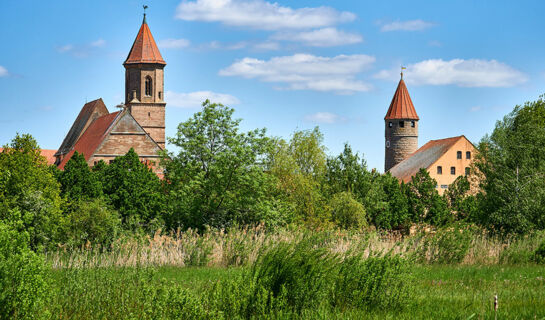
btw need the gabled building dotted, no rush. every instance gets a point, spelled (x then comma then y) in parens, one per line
(444, 159)
(140, 124)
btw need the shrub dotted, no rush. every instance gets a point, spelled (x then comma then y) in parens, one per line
(347, 212)
(539, 254)
(447, 246)
(23, 282)
(298, 271)
(374, 282)
(91, 221)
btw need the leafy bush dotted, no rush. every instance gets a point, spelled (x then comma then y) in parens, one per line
(347, 212)
(375, 282)
(447, 246)
(91, 221)
(298, 271)
(539, 254)
(23, 277)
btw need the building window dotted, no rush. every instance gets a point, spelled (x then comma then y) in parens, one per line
(459, 155)
(95, 163)
(390, 124)
(453, 170)
(468, 154)
(148, 86)
(387, 143)
(444, 186)
(413, 124)
(111, 161)
(439, 170)
(160, 95)
(149, 114)
(401, 124)
(467, 171)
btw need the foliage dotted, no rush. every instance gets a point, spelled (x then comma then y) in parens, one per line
(375, 282)
(346, 212)
(348, 173)
(425, 203)
(512, 164)
(218, 177)
(448, 245)
(460, 202)
(386, 204)
(23, 281)
(29, 193)
(135, 191)
(77, 181)
(91, 222)
(300, 167)
(539, 254)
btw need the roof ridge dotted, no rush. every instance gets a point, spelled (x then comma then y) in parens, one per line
(401, 106)
(144, 49)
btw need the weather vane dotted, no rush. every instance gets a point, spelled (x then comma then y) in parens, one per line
(145, 7)
(402, 68)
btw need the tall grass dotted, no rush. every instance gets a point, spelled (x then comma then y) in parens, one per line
(241, 247)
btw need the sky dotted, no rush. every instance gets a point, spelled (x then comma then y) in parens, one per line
(285, 66)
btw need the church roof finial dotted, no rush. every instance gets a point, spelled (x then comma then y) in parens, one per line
(145, 7)
(402, 68)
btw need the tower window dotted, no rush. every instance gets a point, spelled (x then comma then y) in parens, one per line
(439, 170)
(453, 170)
(148, 86)
(459, 155)
(388, 144)
(467, 171)
(149, 114)
(160, 95)
(390, 124)
(468, 154)
(413, 124)
(401, 124)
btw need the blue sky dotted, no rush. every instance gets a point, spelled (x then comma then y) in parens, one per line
(282, 65)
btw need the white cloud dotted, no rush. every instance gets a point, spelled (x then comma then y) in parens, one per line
(410, 25)
(324, 117)
(460, 72)
(3, 72)
(267, 45)
(195, 99)
(260, 14)
(434, 43)
(306, 72)
(475, 108)
(173, 43)
(98, 43)
(82, 50)
(325, 37)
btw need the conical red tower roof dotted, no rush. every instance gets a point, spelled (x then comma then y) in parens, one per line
(144, 49)
(401, 106)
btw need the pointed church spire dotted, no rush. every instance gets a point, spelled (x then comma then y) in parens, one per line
(144, 48)
(401, 106)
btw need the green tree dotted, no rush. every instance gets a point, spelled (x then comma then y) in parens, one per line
(29, 195)
(347, 172)
(459, 199)
(218, 176)
(512, 163)
(347, 212)
(300, 166)
(386, 203)
(78, 181)
(23, 276)
(135, 191)
(425, 203)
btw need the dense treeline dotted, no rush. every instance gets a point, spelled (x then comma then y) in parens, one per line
(220, 177)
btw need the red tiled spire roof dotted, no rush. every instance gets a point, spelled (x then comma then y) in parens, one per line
(401, 106)
(144, 49)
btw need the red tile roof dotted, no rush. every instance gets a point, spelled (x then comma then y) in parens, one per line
(401, 106)
(47, 153)
(90, 110)
(144, 49)
(424, 157)
(92, 137)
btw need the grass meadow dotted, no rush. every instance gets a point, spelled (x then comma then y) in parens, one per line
(251, 274)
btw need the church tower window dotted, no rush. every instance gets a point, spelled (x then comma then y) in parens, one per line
(148, 86)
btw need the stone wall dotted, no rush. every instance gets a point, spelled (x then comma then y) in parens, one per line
(400, 141)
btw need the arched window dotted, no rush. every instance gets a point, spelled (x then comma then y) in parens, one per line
(148, 86)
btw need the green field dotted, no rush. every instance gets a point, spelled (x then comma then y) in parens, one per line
(439, 292)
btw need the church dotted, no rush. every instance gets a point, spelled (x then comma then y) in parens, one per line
(444, 159)
(139, 124)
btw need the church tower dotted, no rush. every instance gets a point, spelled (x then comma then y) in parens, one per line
(144, 87)
(401, 122)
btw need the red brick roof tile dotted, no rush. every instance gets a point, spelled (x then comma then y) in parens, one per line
(401, 106)
(144, 49)
(92, 137)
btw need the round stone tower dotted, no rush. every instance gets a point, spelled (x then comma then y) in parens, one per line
(401, 127)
